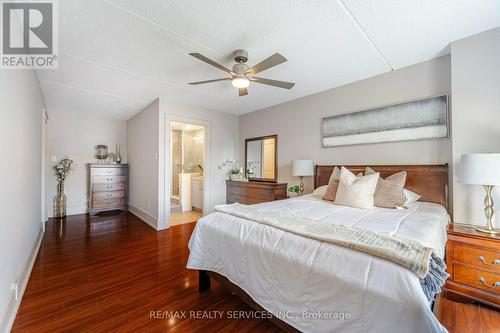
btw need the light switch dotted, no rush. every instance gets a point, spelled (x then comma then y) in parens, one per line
(53, 158)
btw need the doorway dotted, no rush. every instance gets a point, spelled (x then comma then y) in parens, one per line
(187, 177)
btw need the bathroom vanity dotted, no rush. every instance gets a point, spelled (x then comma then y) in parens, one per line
(197, 193)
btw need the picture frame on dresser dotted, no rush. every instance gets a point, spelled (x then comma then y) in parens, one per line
(108, 187)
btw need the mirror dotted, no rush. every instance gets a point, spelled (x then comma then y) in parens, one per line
(261, 158)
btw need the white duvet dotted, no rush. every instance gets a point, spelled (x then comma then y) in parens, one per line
(321, 287)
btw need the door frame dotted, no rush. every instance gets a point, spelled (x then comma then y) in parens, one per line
(44, 171)
(167, 165)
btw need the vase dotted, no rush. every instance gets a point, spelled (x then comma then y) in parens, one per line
(118, 158)
(235, 177)
(60, 201)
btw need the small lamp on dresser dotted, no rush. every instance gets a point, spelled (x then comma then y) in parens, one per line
(482, 169)
(302, 168)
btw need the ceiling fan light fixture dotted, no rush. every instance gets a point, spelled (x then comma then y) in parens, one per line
(240, 82)
(242, 74)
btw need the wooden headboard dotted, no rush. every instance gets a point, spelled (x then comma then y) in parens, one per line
(430, 181)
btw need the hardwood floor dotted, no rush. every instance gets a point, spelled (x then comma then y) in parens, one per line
(467, 317)
(184, 217)
(117, 274)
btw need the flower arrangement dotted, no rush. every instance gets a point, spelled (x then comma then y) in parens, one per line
(230, 167)
(62, 169)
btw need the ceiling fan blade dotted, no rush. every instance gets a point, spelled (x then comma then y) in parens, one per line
(211, 62)
(242, 91)
(275, 83)
(209, 81)
(272, 61)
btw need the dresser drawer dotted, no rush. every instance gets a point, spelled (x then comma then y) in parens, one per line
(233, 190)
(231, 198)
(265, 194)
(108, 203)
(252, 201)
(109, 187)
(109, 171)
(258, 193)
(477, 278)
(477, 257)
(250, 193)
(109, 195)
(109, 179)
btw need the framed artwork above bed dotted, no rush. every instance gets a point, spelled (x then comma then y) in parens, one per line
(413, 120)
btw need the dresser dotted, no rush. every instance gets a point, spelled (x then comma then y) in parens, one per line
(108, 187)
(473, 260)
(253, 192)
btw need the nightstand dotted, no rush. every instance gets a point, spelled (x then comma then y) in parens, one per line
(473, 260)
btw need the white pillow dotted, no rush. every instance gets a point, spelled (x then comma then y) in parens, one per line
(320, 191)
(356, 191)
(410, 196)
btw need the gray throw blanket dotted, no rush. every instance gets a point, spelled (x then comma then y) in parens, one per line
(420, 259)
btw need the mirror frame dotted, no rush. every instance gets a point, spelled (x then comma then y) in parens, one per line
(265, 137)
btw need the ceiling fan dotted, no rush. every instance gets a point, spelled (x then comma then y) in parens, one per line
(241, 75)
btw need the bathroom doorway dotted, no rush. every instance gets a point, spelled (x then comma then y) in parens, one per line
(187, 165)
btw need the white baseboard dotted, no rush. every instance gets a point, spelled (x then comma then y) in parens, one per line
(9, 315)
(144, 216)
(75, 210)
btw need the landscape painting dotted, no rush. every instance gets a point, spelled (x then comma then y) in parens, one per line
(415, 120)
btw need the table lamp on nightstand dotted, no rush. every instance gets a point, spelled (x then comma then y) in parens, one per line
(482, 169)
(302, 168)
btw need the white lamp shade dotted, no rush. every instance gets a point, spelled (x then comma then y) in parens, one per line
(480, 169)
(302, 168)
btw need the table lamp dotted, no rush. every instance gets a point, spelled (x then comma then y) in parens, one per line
(302, 168)
(482, 169)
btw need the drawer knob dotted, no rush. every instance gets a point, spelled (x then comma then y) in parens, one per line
(495, 262)
(483, 281)
(109, 179)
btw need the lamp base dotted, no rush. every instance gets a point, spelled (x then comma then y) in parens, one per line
(301, 186)
(488, 231)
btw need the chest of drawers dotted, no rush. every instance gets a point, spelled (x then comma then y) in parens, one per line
(108, 187)
(250, 193)
(473, 261)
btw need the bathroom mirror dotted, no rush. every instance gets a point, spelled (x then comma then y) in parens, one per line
(261, 158)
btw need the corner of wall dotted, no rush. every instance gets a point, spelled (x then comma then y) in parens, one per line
(10, 311)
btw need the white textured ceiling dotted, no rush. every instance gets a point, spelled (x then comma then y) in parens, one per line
(117, 56)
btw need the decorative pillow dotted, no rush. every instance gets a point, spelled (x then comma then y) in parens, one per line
(389, 192)
(357, 191)
(320, 191)
(333, 184)
(410, 196)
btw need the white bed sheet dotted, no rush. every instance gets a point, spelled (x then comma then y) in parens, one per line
(299, 278)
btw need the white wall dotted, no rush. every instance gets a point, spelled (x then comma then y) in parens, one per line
(475, 64)
(143, 148)
(74, 134)
(21, 104)
(298, 122)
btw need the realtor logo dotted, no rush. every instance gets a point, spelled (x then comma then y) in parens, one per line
(29, 34)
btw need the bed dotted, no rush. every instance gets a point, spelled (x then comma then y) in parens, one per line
(314, 286)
